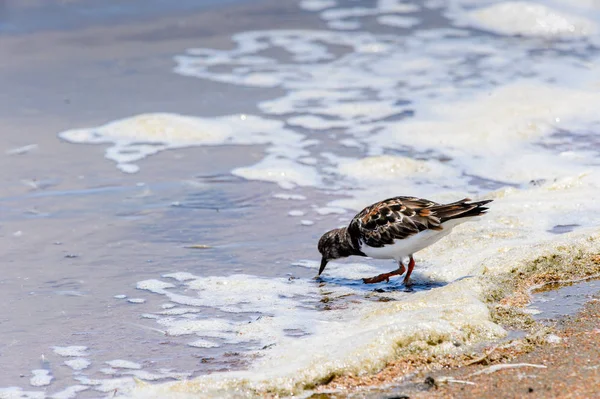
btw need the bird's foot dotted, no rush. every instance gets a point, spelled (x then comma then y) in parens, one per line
(382, 277)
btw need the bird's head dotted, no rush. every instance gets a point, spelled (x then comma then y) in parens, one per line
(328, 246)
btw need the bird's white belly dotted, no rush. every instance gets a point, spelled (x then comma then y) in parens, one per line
(402, 248)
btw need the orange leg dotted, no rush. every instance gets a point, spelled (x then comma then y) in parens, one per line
(386, 276)
(411, 266)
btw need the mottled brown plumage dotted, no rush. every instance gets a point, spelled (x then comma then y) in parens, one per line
(379, 230)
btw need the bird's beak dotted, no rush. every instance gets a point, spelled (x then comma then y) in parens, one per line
(323, 264)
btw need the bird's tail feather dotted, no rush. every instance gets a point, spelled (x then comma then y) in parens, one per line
(460, 209)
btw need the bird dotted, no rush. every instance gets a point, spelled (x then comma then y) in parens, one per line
(396, 228)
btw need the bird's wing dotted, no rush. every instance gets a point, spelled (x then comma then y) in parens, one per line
(394, 218)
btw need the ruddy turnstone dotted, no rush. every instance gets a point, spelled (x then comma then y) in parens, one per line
(396, 228)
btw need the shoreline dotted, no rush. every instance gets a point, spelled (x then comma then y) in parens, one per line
(567, 367)
(559, 358)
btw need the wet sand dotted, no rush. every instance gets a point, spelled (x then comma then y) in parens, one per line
(566, 367)
(572, 367)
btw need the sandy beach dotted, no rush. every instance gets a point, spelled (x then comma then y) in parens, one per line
(552, 358)
(567, 368)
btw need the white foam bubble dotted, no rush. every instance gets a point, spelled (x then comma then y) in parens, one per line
(203, 343)
(296, 212)
(384, 176)
(396, 6)
(128, 168)
(349, 18)
(317, 5)
(40, 378)
(350, 143)
(122, 385)
(334, 104)
(163, 374)
(78, 364)
(86, 380)
(19, 393)
(243, 294)
(501, 124)
(179, 276)
(159, 286)
(109, 371)
(143, 135)
(70, 351)
(316, 122)
(391, 168)
(285, 172)
(330, 210)
(398, 21)
(531, 19)
(286, 196)
(179, 311)
(123, 364)
(208, 327)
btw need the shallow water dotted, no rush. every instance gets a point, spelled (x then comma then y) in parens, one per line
(558, 300)
(165, 181)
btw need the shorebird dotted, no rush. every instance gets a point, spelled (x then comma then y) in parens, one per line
(396, 228)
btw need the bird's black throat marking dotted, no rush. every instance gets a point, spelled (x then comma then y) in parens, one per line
(340, 243)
